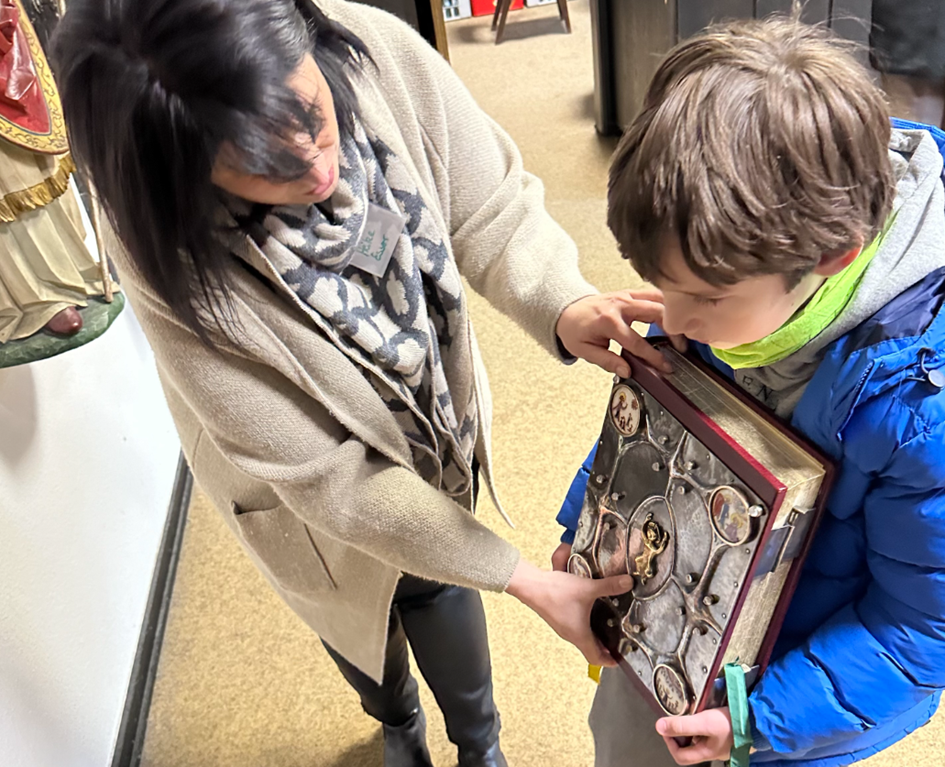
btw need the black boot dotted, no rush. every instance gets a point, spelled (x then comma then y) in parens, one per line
(491, 758)
(406, 744)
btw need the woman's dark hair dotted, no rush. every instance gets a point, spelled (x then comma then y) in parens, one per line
(152, 89)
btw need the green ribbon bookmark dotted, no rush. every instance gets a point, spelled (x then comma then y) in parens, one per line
(738, 709)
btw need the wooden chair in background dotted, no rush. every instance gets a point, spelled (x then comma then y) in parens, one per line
(502, 8)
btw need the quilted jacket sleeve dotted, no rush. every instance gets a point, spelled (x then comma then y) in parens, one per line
(883, 654)
(574, 500)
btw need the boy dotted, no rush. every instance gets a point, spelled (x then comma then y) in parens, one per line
(799, 245)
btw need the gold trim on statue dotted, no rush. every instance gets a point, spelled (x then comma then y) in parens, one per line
(15, 204)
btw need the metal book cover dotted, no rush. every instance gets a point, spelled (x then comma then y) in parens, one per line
(710, 503)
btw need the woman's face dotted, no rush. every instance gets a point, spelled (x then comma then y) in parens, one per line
(322, 154)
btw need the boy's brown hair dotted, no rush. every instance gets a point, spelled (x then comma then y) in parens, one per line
(762, 147)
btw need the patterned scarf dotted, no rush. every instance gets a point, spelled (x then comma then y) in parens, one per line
(407, 330)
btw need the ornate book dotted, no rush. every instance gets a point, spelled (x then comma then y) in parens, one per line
(710, 503)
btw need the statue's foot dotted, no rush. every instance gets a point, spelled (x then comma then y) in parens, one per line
(67, 323)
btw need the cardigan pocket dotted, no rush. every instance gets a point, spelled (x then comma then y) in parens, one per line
(283, 545)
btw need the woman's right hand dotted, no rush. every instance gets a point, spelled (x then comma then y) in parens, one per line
(564, 602)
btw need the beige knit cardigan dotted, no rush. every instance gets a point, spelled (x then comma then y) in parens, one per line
(285, 434)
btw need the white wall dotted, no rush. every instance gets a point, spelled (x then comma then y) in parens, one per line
(88, 455)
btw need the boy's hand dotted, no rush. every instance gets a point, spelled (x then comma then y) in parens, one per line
(587, 327)
(560, 557)
(711, 733)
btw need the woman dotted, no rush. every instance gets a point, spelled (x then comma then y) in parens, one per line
(297, 190)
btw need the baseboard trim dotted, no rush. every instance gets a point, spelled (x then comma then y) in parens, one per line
(134, 721)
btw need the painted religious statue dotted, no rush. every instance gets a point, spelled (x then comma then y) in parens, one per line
(53, 294)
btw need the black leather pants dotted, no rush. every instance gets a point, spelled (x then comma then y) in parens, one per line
(446, 628)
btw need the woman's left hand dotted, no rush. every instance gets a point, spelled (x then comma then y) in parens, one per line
(564, 602)
(711, 733)
(587, 327)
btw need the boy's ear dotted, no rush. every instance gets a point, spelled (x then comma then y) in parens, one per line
(834, 263)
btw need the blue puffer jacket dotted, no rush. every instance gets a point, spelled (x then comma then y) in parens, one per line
(860, 662)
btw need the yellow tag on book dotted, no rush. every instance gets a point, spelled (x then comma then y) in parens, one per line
(594, 673)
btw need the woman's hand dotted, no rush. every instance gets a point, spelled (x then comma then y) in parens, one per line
(564, 602)
(587, 327)
(711, 733)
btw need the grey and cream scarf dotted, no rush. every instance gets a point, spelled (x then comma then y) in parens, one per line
(407, 330)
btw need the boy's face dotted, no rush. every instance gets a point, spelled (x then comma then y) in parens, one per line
(728, 315)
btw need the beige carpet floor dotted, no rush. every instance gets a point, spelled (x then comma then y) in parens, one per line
(243, 683)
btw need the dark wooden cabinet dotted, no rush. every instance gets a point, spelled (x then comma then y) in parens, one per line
(630, 38)
(426, 16)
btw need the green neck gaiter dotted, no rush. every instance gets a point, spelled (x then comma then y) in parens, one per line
(809, 321)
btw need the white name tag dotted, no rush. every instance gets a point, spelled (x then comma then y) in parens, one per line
(379, 241)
